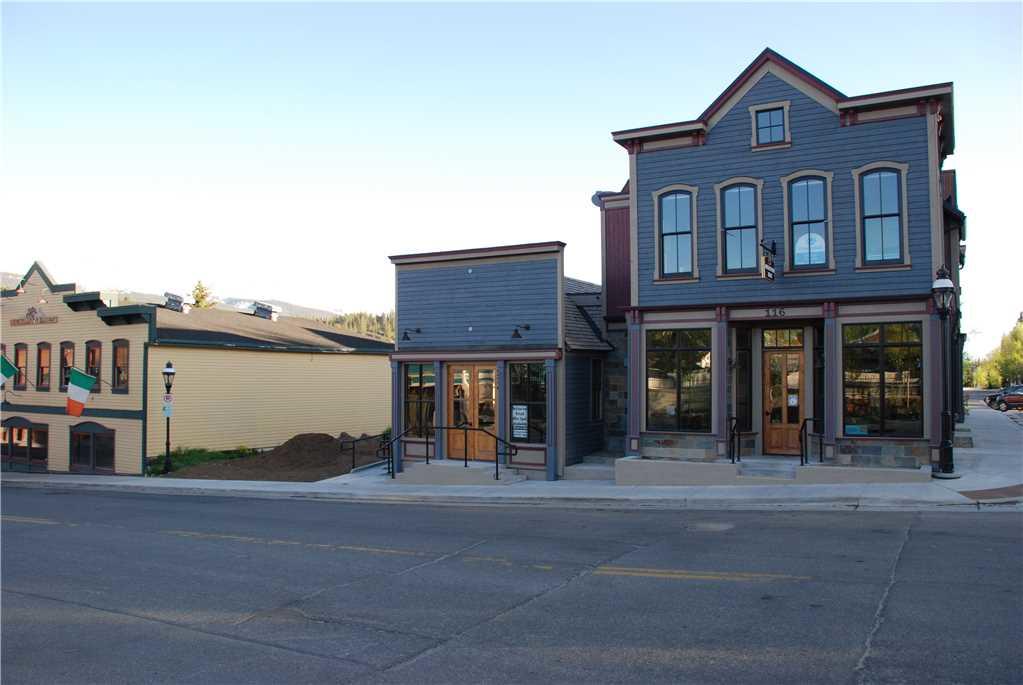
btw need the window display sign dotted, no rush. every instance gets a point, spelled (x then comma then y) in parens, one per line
(520, 421)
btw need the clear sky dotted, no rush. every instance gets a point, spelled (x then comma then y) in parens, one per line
(284, 150)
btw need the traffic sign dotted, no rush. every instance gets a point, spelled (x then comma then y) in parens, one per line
(168, 405)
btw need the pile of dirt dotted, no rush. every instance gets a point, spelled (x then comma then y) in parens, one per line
(306, 457)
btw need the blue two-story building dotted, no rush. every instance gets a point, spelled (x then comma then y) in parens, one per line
(769, 265)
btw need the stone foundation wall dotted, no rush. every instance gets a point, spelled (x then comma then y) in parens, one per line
(616, 392)
(880, 452)
(686, 446)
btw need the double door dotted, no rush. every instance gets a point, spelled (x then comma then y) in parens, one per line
(783, 400)
(472, 402)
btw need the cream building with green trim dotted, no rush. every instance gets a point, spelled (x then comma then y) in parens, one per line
(253, 379)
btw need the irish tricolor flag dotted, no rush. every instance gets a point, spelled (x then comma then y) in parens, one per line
(78, 387)
(8, 369)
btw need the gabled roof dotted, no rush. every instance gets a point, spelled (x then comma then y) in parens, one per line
(37, 267)
(582, 311)
(824, 93)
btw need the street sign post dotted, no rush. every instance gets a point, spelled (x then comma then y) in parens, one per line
(168, 405)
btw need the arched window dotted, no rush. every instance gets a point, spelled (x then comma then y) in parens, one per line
(675, 233)
(739, 225)
(43, 366)
(882, 216)
(119, 377)
(808, 222)
(93, 359)
(67, 361)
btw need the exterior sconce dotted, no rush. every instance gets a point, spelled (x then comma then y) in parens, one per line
(515, 334)
(404, 335)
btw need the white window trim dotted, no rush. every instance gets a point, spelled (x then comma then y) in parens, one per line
(903, 170)
(757, 183)
(753, 109)
(828, 177)
(667, 190)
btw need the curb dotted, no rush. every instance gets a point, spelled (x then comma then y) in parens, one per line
(603, 503)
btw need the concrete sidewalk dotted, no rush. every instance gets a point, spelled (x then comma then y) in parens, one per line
(992, 475)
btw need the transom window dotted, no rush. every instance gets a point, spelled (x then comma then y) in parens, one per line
(882, 216)
(770, 126)
(678, 380)
(808, 212)
(740, 228)
(676, 233)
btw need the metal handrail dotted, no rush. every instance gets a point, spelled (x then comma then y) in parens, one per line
(804, 442)
(510, 450)
(380, 437)
(734, 446)
(388, 448)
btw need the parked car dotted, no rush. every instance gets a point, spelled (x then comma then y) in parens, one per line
(1012, 398)
(991, 399)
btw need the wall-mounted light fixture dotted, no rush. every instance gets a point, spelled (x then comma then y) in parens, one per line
(515, 334)
(404, 335)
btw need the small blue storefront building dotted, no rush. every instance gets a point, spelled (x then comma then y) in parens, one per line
(497, 342)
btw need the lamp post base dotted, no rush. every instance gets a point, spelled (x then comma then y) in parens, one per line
(946, 476)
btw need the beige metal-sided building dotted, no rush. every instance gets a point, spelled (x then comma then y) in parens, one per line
(251, 379)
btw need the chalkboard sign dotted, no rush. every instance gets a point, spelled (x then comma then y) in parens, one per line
(520, 421)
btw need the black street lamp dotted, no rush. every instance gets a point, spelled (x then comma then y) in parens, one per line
(168, 381)
(944, 294)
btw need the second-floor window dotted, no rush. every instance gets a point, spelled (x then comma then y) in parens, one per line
(93, 358)
(808, 201)
(43, 366)
(882, 216)
(676, 234)
(67, 360)
(739, 223)
(119, 380)
(21, 366)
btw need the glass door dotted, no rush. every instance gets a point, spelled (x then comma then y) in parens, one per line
(472, 402)
(784, 404)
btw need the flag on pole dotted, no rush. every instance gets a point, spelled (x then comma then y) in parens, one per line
(9, 370)
(78, 387)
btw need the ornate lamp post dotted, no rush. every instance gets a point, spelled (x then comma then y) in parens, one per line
(944, 294)
(168, 382)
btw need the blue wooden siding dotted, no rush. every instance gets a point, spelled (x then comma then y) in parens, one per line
(444, 301)
(818, 142)
(582, 436)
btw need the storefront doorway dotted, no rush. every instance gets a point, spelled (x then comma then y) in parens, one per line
(784, 401)
(472, 402)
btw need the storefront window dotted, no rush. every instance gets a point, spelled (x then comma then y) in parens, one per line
(744, 379)
(527, 383)
(420, 385)
(678, 380)
(883, 379)
(92, 447)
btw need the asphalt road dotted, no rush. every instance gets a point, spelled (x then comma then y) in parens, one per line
(111, 588)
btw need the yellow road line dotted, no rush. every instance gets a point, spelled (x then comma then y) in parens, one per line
(273, 541)
(28, 519)
(685, 574)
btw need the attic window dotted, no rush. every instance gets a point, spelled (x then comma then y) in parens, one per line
(770, 125)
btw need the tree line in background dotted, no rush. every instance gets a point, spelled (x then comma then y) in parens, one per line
(1002, 366)
(364, 322)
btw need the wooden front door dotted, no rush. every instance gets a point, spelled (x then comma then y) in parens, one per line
(472, 402)
(783, 400)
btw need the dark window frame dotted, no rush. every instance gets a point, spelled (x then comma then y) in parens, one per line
(91, 345)
(43, 384)
(679, 348)
(882, 216)
(661, 235)
(882, 345)
(770, 127)
(92, 429)
(424, 408)
(21, 370)
(596, 389)
(512, 387)
(31, 431)
(115, 386)
(65, 371)
(726, 229)
(743, 370)
(811, 266)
